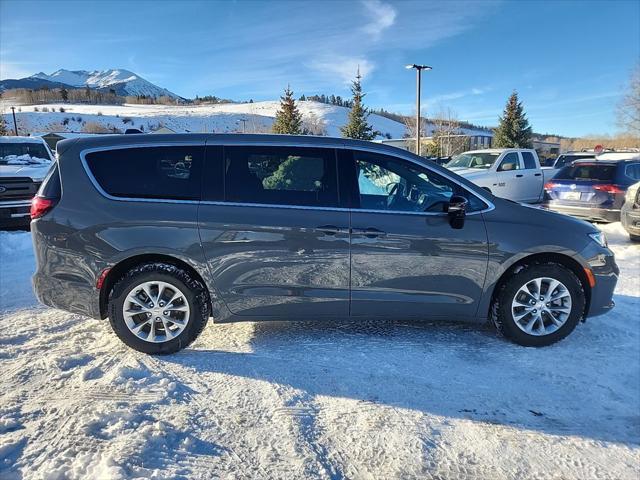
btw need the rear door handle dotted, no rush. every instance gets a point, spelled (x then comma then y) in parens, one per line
(330, 229)
(368, 232)
(537, 174)
(519, 176)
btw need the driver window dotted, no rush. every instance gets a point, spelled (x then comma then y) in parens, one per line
(509, 162)
(388, 183)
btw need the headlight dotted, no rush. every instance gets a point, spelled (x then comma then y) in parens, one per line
(600, 238)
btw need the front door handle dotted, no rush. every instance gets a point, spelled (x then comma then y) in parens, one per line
(537, 174)
(368, 232)
(519, 176)
(330, 229)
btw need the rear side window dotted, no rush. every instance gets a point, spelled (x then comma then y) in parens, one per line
(509, 162)
(587, 171)
(633, 171)
(172, 173)
(281, 176)
(529, 160)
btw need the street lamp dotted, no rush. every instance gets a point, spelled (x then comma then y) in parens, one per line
(419, 69)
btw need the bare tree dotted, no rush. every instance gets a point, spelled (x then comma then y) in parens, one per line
(447, 138)
(410, 131)
(629, 106)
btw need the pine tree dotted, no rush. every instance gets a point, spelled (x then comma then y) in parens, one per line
(288, 119)
(3, 127)
(514, 130)
(357, 127)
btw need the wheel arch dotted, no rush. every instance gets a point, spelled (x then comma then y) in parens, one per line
(119, 269)
(540, 258)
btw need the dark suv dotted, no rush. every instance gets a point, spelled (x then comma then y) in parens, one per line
(159, 233)
(593, 189)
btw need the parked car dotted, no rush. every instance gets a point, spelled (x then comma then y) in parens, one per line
(160, 232)
(630, 213)
(512, 173)
(593, 189)
(567, 158)
(24, 162)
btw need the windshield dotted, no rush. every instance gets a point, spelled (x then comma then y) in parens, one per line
(473, 160)
(586, 171)
(23, 153)
(567, 159)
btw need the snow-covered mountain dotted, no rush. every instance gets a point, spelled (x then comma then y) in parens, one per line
(124, 82)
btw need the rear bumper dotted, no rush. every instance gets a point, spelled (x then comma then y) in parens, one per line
(588, 213)
(73, 296)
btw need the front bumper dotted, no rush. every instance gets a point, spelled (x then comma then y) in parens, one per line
(15, 212)
(606, 273)
(592, 214)
(630, 219)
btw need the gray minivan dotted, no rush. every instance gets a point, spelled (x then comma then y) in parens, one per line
(161, 232)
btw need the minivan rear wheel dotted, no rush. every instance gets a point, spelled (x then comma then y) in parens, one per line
(539, 304)
(158, 308)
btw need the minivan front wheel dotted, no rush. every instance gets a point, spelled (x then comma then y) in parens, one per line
(539, 304)
(158, 308)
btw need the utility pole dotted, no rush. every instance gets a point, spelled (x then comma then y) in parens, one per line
(419, 69)
(15, 124)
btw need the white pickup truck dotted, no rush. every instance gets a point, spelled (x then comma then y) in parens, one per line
(24, 162)
(512, 173)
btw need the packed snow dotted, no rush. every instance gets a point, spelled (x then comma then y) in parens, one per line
(25, 159)
(359, 399)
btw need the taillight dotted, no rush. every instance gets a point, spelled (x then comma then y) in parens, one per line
(550, 186)
(40, 206)
(608, 188)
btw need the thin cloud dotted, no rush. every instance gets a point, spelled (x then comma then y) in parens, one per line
(345, 68)
(382, 16)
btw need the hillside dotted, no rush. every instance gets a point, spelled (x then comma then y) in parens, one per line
(222, 118)
(258, 117)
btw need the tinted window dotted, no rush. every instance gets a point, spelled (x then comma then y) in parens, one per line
(51, 187)
(633, 171)
(509, 162)
(529, 160)
(281, 176)
(149, 172)
(586, 171)
(391, 184)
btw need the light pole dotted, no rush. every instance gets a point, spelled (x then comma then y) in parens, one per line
(244, 124)
(15, 125)
(419, 69)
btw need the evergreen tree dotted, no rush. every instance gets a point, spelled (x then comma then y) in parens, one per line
(514, 130)
(288, 119)
(64, 93)
(357, 127)
(3, 127)
(302, 98)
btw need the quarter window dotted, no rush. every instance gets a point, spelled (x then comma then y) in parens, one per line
(529, 160)
(281, 176)
(149, 172)
(389, 184)
(509, 162)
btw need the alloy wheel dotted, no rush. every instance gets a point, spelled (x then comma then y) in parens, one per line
(541, 306)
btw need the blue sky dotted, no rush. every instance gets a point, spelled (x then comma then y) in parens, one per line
(568, 60)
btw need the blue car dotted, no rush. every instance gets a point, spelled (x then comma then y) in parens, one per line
(593, 189)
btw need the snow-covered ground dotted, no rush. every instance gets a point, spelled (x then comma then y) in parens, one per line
(316, 400)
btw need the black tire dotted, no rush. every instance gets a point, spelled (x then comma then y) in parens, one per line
(501, 308)
(634, 238)
(194, 291)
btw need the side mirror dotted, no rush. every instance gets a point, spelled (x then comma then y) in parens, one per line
(457, 211)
